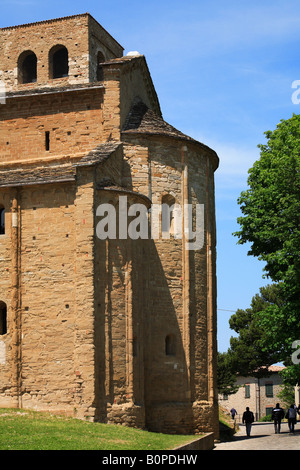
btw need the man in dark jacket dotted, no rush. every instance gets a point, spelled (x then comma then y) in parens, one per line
(248, 419)
(277, 416)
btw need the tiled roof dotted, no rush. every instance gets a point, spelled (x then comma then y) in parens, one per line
(36, 175)
(55, 173)
(275, 368)
(53, 90)
(141, 119)
(98, 155)
(108, 185)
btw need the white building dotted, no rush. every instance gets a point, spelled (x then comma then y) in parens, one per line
(261, 395)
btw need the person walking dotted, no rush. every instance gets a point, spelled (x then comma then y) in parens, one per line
(277, 416)
(248, 419)
(233, 412)
(291, 415)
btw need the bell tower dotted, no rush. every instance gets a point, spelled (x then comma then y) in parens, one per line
(55, 52)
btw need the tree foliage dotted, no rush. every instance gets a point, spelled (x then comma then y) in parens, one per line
(270, 223)
(246, 354)
(226, 376)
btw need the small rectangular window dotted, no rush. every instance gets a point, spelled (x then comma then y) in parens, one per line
(47, 141)
(269, 390)
(247, 391)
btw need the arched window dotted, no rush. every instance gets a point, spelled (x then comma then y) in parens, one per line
(100, 60)
(3, 318)
(27, 67)
(58, 62)
(167, 214)
(170, 345)
(2, 220)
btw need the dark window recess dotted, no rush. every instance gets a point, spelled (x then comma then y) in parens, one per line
(47, 141)
(3, 318)
(269, 390)
(100, 60)
(2, 221)
(134, 347)
(28, 69)
(60, 63)
(170, 345)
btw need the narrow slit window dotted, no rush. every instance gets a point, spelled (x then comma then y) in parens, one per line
(2, 220)
(170, 345)
(3, 319)
(134, 347)
(100, 60)
(167, 215)
(47, 141)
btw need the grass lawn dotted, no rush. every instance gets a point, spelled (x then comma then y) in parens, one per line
(227, 426)
(30, 430)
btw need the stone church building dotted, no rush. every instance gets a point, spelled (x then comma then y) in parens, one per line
(118, 329)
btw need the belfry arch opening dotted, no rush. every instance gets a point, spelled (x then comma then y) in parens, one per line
(27, 67)
(58, 62)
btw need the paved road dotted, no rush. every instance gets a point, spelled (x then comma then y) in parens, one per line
(263, 437)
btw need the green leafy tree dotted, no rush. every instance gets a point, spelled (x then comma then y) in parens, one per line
(246, 355)
(226, 377)
(286, 395)
(270, 223)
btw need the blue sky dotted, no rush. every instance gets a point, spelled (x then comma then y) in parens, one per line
(223, 71)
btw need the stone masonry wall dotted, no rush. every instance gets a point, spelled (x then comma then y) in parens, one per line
(46, 299)
(40, 38)
(179, 283)
(51, 320)
(119, 330)
(6, 291)
(73, 121)
(80, 34)
(121, 312)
